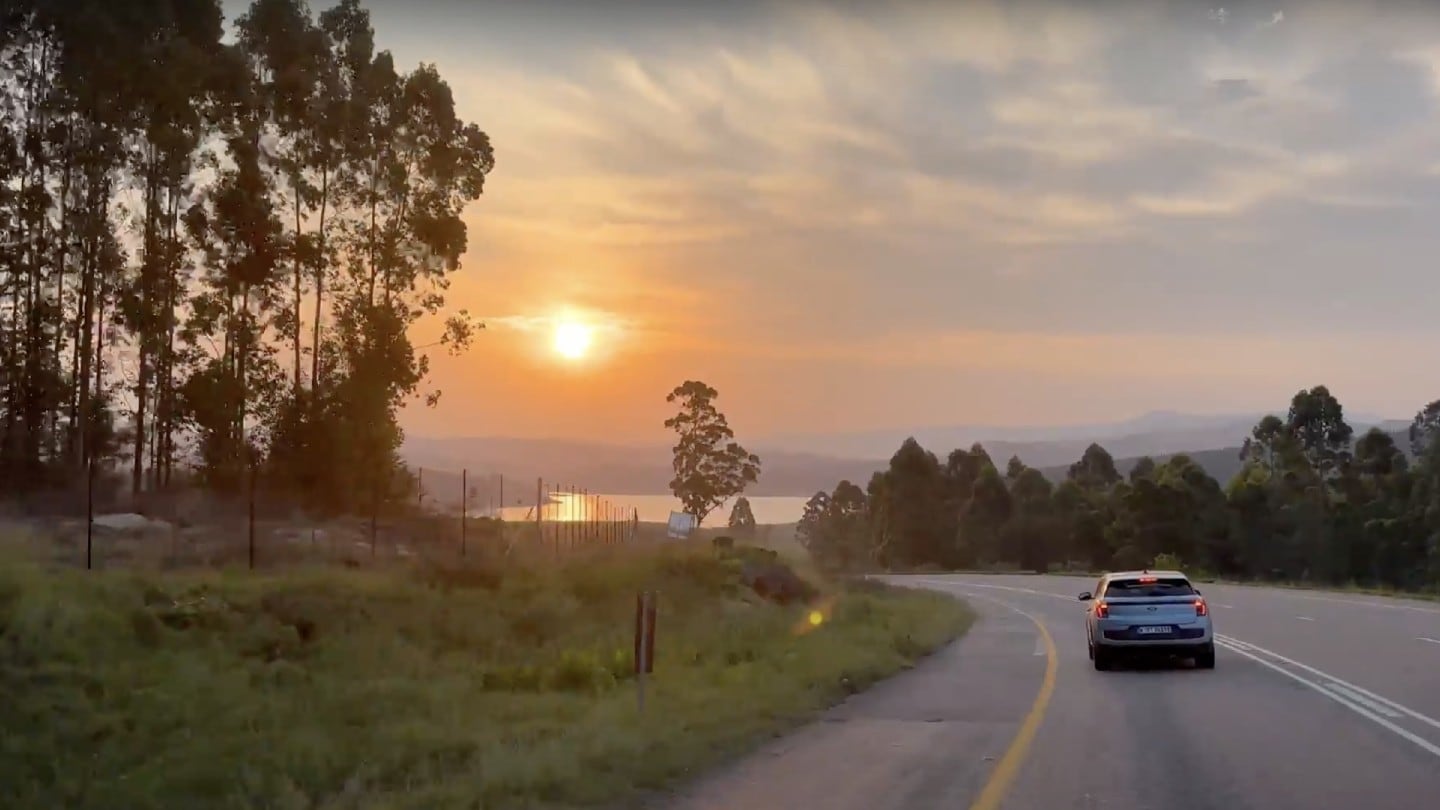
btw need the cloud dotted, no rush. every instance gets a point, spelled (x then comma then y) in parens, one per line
(772, 175)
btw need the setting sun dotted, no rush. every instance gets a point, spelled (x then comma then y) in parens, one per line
(572, 340)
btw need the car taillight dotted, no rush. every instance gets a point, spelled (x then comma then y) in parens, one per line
(1102, 610)
(1200, 609)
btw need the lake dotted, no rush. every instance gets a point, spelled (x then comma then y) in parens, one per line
(652, 508)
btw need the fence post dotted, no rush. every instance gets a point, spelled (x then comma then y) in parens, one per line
(374, 507)
(539, 513)
(464, 506)
(253, 468)
(644, 643)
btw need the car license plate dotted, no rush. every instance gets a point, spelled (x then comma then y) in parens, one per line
(1154, 630)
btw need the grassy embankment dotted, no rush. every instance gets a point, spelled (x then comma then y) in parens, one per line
(423, 688)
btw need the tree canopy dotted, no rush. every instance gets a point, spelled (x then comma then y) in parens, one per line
(1311, 503)
(710, 467)
(213, 249)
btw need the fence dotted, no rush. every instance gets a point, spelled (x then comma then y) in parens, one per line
(95, 525)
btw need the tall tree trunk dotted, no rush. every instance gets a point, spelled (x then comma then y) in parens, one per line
(56, 401)
(295, 186)
(145, 326)
(319, 284)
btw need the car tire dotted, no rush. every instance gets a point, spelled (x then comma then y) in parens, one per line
(1102, 659)
(1205, 659)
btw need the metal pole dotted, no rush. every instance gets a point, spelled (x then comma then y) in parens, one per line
(420, 488)
(89, 512)
(464, 506)
(501, 497)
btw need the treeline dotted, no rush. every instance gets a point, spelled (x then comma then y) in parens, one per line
(214, 242)
(1311, 503)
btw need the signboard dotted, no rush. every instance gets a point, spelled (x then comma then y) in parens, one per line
(680, 526)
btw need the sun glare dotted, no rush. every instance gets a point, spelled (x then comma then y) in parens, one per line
(572, 339)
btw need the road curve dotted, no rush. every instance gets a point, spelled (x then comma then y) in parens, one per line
(1317, 700)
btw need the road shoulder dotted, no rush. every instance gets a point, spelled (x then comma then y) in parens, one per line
(928, 737)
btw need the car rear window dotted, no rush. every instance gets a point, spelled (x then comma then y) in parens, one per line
(1162, 586)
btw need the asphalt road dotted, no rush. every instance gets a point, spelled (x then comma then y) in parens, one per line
(1318, 700)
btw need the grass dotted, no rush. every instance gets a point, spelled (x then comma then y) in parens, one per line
(423, 687)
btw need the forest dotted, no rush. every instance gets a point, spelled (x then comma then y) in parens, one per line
(215, 239)
(1312, 503)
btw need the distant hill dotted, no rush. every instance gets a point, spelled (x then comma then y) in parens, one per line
(645, 469)
(609, 468)
(1222, 464)
(1149, 433)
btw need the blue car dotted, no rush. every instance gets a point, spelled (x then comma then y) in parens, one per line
(1148, 611)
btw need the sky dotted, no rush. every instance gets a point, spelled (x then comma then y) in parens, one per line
(848, 216)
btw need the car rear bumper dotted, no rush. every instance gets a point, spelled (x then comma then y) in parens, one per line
(1123, 634)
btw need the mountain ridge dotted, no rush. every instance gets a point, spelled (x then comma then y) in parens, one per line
(644, 469)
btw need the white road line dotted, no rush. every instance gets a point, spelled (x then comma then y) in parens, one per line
(1254, 652)
(1362, 700)
(1359, 709)
(1240, 645)
(1255, 648)
(1305, 618)
(1273, 591)
(1431, 640)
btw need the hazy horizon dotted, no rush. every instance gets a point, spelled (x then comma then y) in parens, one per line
(1002, 431)
(849, 217)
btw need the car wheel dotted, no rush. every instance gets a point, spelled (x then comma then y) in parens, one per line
(1206, 658)
(1101, 657)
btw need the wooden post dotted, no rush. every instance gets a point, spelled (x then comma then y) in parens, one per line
(644, 643)
(464, 506)
(253, 467)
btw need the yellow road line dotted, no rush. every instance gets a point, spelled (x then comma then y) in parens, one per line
(1009, 765)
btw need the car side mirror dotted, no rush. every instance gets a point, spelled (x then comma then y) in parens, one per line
(1086, 597)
